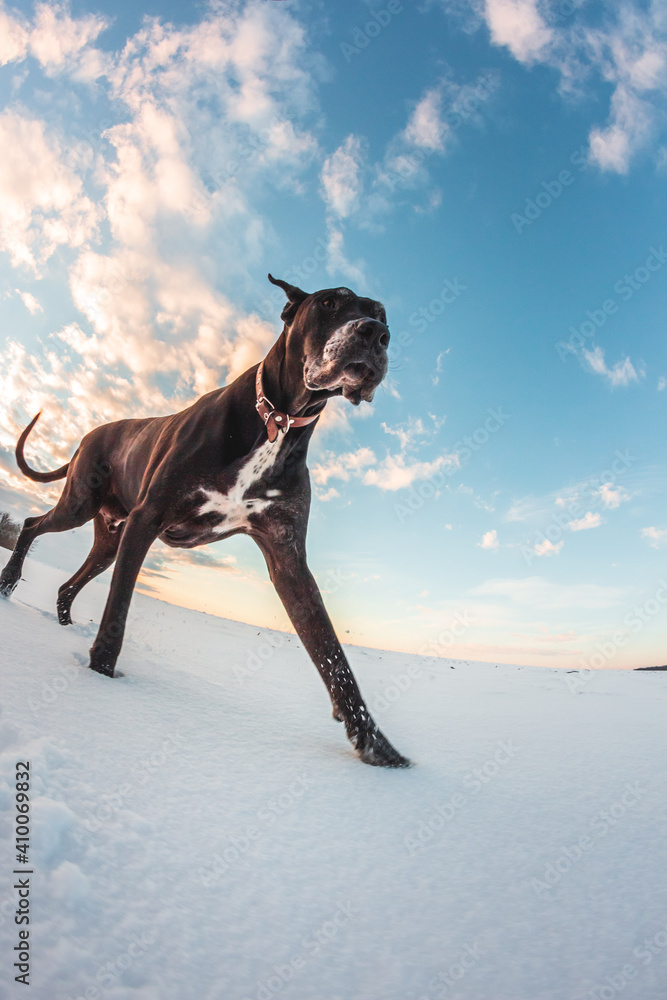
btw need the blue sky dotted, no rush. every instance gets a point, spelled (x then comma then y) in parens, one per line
(494, 172)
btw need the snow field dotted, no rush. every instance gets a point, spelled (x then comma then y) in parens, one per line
(201, 828)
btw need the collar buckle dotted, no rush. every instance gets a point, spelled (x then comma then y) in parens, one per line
(275, 420)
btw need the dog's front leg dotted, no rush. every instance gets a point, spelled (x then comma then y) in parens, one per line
(301, 597)
(141, 529)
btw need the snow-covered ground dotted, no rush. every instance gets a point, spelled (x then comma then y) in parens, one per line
(202, 829)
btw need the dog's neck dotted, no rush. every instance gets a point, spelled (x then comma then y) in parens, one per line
(284, 384)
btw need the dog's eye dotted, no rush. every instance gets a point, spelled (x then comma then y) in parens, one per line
(328, 303)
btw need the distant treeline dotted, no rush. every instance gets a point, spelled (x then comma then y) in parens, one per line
(9, 531)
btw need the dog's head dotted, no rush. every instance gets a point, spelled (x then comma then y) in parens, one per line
(343, 339)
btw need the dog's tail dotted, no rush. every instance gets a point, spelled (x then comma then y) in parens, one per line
(39, 477)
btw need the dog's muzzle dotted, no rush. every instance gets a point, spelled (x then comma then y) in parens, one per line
(354, 360)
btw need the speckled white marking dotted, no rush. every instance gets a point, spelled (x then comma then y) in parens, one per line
(339, 339)
(232, 506)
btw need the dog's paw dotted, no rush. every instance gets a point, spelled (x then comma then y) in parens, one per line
(375, 749)
(101, 664)
(7, 586)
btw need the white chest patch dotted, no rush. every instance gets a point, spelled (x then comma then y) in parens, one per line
(232, 506)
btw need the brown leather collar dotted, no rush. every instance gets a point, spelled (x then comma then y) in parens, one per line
(275, 420)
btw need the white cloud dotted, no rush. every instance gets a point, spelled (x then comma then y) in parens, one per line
(426, 129)
(612, 496)
(213, 112)
(325, 495)
(589, 520)
(610, 148)
(547, 548)
(431, 129)
(632, 54)
(489, 540)
(435, 377)
(656, 536)
(32, 304)
(623, 372)
(13, 38)
(341, 187)
(56, 40)
(573, 499)
(626, 49)
(343, 466)
(662, 382)
(408, 434)
(154, 317)
(42, 201)
(395, 472)
(518, 25)
(341, 183)
(338, 263)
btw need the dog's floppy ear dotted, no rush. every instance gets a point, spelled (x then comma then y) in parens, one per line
(295, 297)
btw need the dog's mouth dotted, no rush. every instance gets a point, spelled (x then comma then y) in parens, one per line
(358, 381)
(355, 382)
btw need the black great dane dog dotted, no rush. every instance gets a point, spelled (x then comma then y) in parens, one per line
(234, 461)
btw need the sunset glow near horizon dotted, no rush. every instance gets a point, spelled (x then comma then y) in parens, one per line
(494, 173)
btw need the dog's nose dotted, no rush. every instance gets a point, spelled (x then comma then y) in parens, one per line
(373, 331)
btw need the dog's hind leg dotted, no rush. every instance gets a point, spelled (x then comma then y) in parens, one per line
(142, 527)
(69, 512)
(11, 574)
(100, 557)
